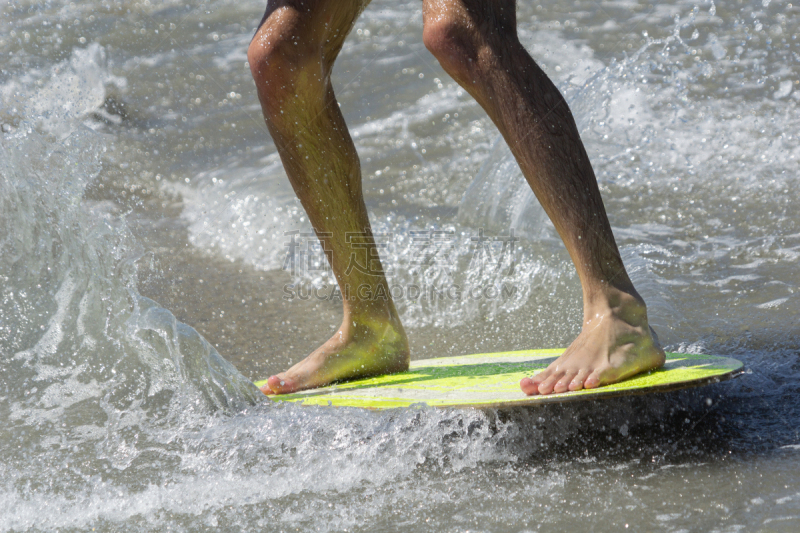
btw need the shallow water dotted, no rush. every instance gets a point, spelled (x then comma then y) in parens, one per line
(135, 168)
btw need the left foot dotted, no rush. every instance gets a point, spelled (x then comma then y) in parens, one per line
(615, 343)
(363, 347)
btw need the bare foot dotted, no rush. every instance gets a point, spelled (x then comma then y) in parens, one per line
(361, 348)
(615, 344)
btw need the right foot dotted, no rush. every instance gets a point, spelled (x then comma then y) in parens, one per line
(616, 343)
(361, 348)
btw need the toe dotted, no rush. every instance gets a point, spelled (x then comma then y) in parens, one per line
(280, 384)
(547, 385)
(528, 386)
(539, 377)
(593, 380)
(605, 375)
(563, 384)
(577, 382)
(265, 389)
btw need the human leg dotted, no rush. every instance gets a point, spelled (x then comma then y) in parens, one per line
(476, 43)
(291, 57)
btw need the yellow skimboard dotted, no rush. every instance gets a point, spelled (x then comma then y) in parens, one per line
(491, 380)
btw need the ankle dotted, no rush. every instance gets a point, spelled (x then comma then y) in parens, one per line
(623, 302)
(370, 310)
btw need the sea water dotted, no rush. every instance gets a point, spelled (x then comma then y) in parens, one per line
(146, 276)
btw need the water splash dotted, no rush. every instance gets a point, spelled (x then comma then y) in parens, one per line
(90, 368)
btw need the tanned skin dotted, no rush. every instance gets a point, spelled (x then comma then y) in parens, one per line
(475, 41)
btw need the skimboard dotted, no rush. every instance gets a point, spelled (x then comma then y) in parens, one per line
(491, 380)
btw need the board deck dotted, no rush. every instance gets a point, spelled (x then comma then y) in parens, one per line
(491, 380)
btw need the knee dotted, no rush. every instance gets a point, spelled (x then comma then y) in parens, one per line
(470, 40)
(279, 52)
(452, 42)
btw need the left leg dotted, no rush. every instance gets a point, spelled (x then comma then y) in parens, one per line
(291, 58)
(476, 43)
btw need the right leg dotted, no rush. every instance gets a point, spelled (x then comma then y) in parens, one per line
(476, 43)
(291, 57)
